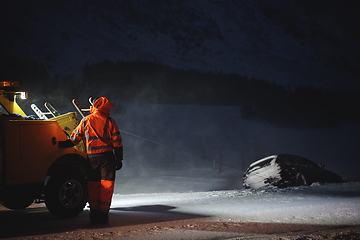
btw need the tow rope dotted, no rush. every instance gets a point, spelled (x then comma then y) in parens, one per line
(178, 149)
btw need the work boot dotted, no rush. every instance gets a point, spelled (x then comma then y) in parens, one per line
(94, 216)
(103, 218)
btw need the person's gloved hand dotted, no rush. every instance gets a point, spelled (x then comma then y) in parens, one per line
(118, 164)
(65, 144)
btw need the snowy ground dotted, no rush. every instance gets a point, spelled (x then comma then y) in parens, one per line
(316, 212)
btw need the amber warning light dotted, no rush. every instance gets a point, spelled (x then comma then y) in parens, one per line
(9, 84)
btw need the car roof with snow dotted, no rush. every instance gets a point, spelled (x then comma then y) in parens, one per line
(262, 160)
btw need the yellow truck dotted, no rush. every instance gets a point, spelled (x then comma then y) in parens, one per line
(33, 168)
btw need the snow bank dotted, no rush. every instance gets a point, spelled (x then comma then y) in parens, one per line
(332, 204)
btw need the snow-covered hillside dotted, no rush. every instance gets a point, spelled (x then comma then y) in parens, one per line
(292, 42)
(288, 42)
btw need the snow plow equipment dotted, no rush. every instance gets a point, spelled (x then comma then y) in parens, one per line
(83, 111)
(33, 168)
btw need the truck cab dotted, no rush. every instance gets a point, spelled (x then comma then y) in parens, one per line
(33, 168)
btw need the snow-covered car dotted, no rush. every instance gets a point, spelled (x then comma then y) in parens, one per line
(286, 170)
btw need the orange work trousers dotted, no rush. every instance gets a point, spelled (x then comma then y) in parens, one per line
(101, 181)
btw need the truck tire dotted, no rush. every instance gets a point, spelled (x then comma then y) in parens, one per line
(16, 202)
(66, 195)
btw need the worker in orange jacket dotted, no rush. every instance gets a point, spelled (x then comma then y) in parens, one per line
(105, 154)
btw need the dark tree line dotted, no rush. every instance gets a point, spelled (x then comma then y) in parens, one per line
(300, 106)
(150, 82)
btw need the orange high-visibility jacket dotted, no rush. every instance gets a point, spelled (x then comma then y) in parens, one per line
(98, 130)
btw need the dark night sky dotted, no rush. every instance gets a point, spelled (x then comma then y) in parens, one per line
(295, 42)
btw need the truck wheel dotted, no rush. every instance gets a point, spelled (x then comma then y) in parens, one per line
(66, 196)
(16, 202)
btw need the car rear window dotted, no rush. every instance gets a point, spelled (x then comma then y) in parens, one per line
(296, 161)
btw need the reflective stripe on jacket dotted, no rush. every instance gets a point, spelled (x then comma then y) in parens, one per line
(99, 132)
